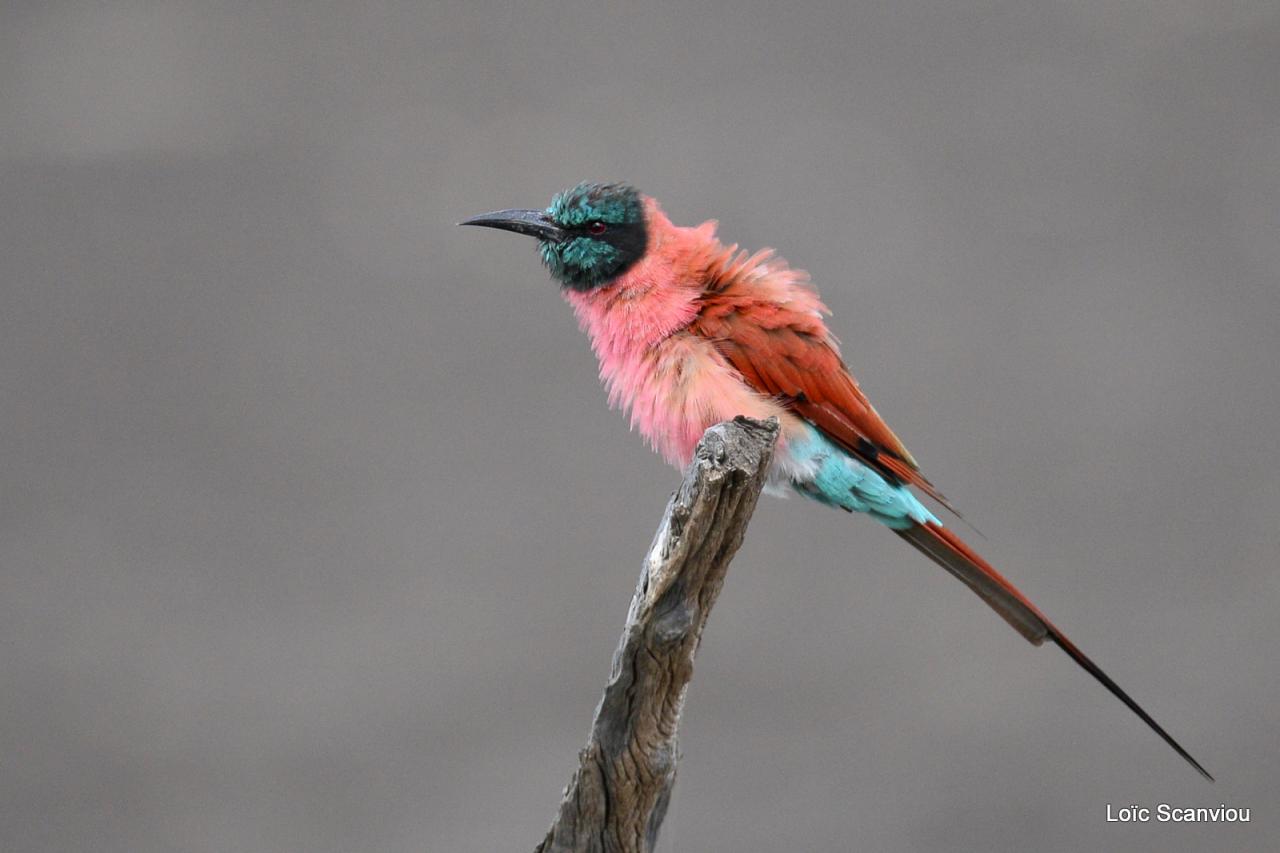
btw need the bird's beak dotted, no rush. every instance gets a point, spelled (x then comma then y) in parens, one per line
(535, 223)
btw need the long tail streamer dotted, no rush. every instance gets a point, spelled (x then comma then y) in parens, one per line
(950, 551)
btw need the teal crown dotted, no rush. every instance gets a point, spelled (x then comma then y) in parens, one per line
(613, 204)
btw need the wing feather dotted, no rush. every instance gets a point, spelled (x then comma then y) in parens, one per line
(783, 350)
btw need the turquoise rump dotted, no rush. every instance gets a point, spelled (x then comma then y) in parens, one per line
(840, 480)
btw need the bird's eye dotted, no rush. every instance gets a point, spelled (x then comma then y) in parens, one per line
(597, 228)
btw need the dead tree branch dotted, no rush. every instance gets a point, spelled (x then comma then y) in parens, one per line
(618, 796)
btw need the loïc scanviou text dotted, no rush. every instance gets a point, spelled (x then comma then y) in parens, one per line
(1169, 813)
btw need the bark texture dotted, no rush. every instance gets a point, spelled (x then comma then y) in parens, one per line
(619, 794)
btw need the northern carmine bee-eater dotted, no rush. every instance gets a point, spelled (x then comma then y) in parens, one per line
(690, 332)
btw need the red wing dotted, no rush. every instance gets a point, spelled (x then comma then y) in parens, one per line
(787, 354)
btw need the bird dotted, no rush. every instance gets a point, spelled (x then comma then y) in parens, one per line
(690, 332)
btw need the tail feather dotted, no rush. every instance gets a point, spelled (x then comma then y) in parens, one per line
(950, 551)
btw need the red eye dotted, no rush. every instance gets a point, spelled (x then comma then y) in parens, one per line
(597, 228)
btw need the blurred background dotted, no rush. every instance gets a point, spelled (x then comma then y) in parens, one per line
(316, 533)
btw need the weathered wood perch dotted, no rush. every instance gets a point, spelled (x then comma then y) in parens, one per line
(618, 796)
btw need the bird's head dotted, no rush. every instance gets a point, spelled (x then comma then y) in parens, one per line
(589, 235)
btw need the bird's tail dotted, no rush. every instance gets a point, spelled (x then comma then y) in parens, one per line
(950, 551)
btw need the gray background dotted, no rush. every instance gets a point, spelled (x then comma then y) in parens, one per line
(316, 533)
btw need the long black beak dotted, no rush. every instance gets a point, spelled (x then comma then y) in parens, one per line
(535, 223)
